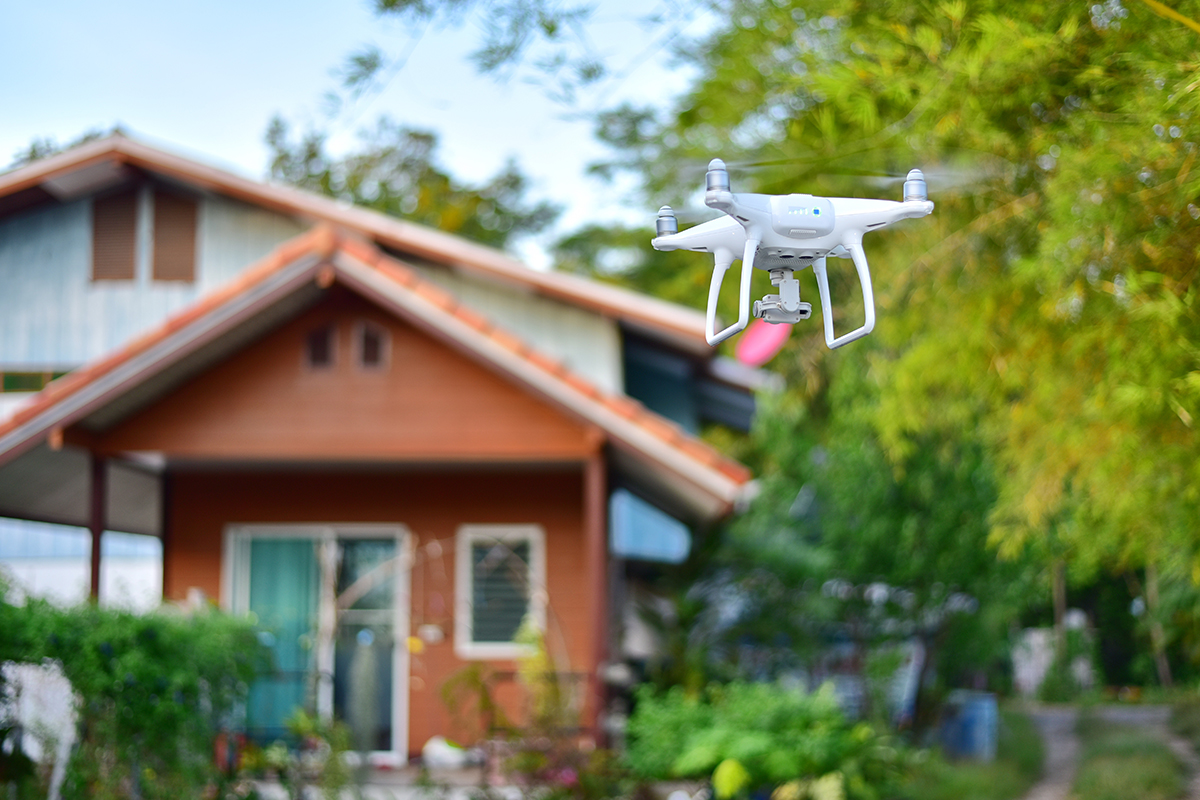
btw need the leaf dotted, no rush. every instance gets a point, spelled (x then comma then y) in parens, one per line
(730, 779)
(361, 69)
(829, 787)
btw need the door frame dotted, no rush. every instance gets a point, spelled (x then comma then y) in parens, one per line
(235, 598)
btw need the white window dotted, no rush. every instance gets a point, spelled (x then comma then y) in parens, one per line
(500, 580)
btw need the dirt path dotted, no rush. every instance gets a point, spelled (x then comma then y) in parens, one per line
(1057, 728)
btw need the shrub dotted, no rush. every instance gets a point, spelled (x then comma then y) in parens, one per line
(152, 690)
(761, 737)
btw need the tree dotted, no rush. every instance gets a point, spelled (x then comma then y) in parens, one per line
(46, 146)
(394, 171)
(1048, 306)
(896, 550)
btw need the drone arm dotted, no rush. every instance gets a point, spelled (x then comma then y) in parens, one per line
(853, 245)
(724, 259)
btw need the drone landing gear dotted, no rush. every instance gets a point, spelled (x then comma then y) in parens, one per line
(785, 306)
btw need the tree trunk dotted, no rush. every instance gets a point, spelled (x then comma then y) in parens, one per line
(922, 719)
(1059, 590)
(1158, 639)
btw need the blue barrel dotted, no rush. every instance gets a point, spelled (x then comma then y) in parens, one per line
(970, 725)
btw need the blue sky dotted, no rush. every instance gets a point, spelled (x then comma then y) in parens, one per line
(205, 78)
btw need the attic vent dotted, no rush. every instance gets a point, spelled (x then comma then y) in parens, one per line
(372, 346)
(114, 231)
(318, 348)
(174, 237)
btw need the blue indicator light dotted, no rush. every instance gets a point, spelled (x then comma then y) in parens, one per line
(816, 212)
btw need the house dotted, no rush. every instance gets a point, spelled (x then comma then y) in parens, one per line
(390, 445)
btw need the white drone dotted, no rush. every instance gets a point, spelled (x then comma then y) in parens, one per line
(782, 233)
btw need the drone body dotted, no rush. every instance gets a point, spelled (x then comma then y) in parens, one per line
(783, 233)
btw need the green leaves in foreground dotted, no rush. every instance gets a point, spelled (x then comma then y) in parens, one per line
(153, 690)
(752, 737)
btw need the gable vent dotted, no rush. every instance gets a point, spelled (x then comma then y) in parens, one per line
(174, 237)
(114, 230)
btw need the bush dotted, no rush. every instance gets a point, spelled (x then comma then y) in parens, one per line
(758, 737)
(152, 690)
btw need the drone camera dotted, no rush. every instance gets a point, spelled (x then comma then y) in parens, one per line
(784, 307)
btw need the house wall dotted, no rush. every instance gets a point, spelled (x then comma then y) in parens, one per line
(588, 343)
(429, 403)
(54, 317)
(432, 505)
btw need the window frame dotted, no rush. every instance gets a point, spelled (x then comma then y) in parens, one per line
(465, 646)
(385, 346)
(331, 328)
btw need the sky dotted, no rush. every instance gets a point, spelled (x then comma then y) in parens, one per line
(205, 80)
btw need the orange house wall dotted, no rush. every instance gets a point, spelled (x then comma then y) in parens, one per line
(432, 506)
(430, 403)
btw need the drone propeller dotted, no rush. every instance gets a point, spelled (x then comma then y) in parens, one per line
(958, 171)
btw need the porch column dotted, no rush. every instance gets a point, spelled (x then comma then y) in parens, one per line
(97, 517)
(596, 545)
(164, 531)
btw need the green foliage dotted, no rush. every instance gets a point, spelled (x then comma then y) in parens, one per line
(467, 695)
(46, 146)
(317, 762)
(758, 736)
(1185, 720)
(1120, 761)
(845, 543)
(1060, 684)
(1039, 332)
(544, 755)
(394, 171)
(153, 690)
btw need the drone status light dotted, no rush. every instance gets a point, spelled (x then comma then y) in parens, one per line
(783, 233)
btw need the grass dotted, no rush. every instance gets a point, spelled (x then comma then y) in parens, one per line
(1018, 766)
(1185, 720)
(1119, 762)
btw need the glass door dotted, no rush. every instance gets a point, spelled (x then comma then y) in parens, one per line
(284, 585)
(292, 578)
(365, 647)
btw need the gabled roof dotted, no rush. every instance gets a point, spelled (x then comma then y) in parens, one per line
(91, 166)
(681, 468)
